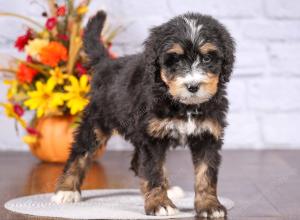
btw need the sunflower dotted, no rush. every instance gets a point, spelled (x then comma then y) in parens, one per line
(44, 100)
(76, 93)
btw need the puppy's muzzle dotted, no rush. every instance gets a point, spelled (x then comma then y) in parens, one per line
(192, 87)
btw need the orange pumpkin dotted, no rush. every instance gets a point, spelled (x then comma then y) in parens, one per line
(55, 138)
(43, 177)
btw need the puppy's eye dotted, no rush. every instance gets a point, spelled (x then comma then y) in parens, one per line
(206, 59)
(171, 59)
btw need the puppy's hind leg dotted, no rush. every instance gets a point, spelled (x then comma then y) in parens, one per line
(68, 186)
(87, 140)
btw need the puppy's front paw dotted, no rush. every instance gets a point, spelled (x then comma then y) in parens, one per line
(66, 197)
(162, 210)
(213, 211)
(158, 203)
(165, 211)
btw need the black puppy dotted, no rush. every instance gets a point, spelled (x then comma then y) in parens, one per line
(173, 93)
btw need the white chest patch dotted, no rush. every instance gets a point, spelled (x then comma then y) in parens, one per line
(180, 129)
(183, 128)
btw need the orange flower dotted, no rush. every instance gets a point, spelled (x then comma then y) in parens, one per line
(25, 74)
(53, 53)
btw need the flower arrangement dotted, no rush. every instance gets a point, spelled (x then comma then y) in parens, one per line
(52, 80)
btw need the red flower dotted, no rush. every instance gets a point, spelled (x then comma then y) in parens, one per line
(80, 69)
(61, 10)
(63, 37)
(25, 74)
(51, 23)
(18, 110)
(21, 41)
(32, 131)
(29, 59)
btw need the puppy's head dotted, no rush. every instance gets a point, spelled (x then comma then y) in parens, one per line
(193, 55)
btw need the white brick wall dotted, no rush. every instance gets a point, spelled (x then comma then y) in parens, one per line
(265, 89)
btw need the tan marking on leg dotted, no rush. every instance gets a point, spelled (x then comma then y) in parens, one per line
(72, 179)
(143, 186)
(176, 48)
(157, 199)
(205, 192)
(144, 183)
(165, 176)
(206, 200)
(154, 198)
(207, 47)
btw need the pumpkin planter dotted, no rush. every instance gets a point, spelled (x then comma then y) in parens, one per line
(43, 178)
(55, 139)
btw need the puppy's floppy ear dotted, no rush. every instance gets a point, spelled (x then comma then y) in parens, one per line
(151, 53)
(229, 57)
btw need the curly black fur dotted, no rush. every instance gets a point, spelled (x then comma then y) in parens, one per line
(128, 93)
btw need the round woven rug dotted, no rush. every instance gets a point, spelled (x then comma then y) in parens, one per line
(101, 204)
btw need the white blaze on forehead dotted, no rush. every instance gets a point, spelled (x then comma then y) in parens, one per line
(194, 28)
(195, 75)
(195, 65)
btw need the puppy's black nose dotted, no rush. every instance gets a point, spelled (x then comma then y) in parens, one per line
(193, 88)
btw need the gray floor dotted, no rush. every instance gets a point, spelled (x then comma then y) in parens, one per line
(263, 184)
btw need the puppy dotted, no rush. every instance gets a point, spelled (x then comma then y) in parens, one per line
(171, 94)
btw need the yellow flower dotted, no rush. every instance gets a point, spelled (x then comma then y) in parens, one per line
(44, 34)
(44, 100)
(82, 10)
(30, 139)
(35, 46)
(76, 93)
(9, 111)
(16, 92)
(57, 76)
(13, 89)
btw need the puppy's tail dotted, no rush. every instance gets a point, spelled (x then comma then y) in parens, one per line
(92, 44)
